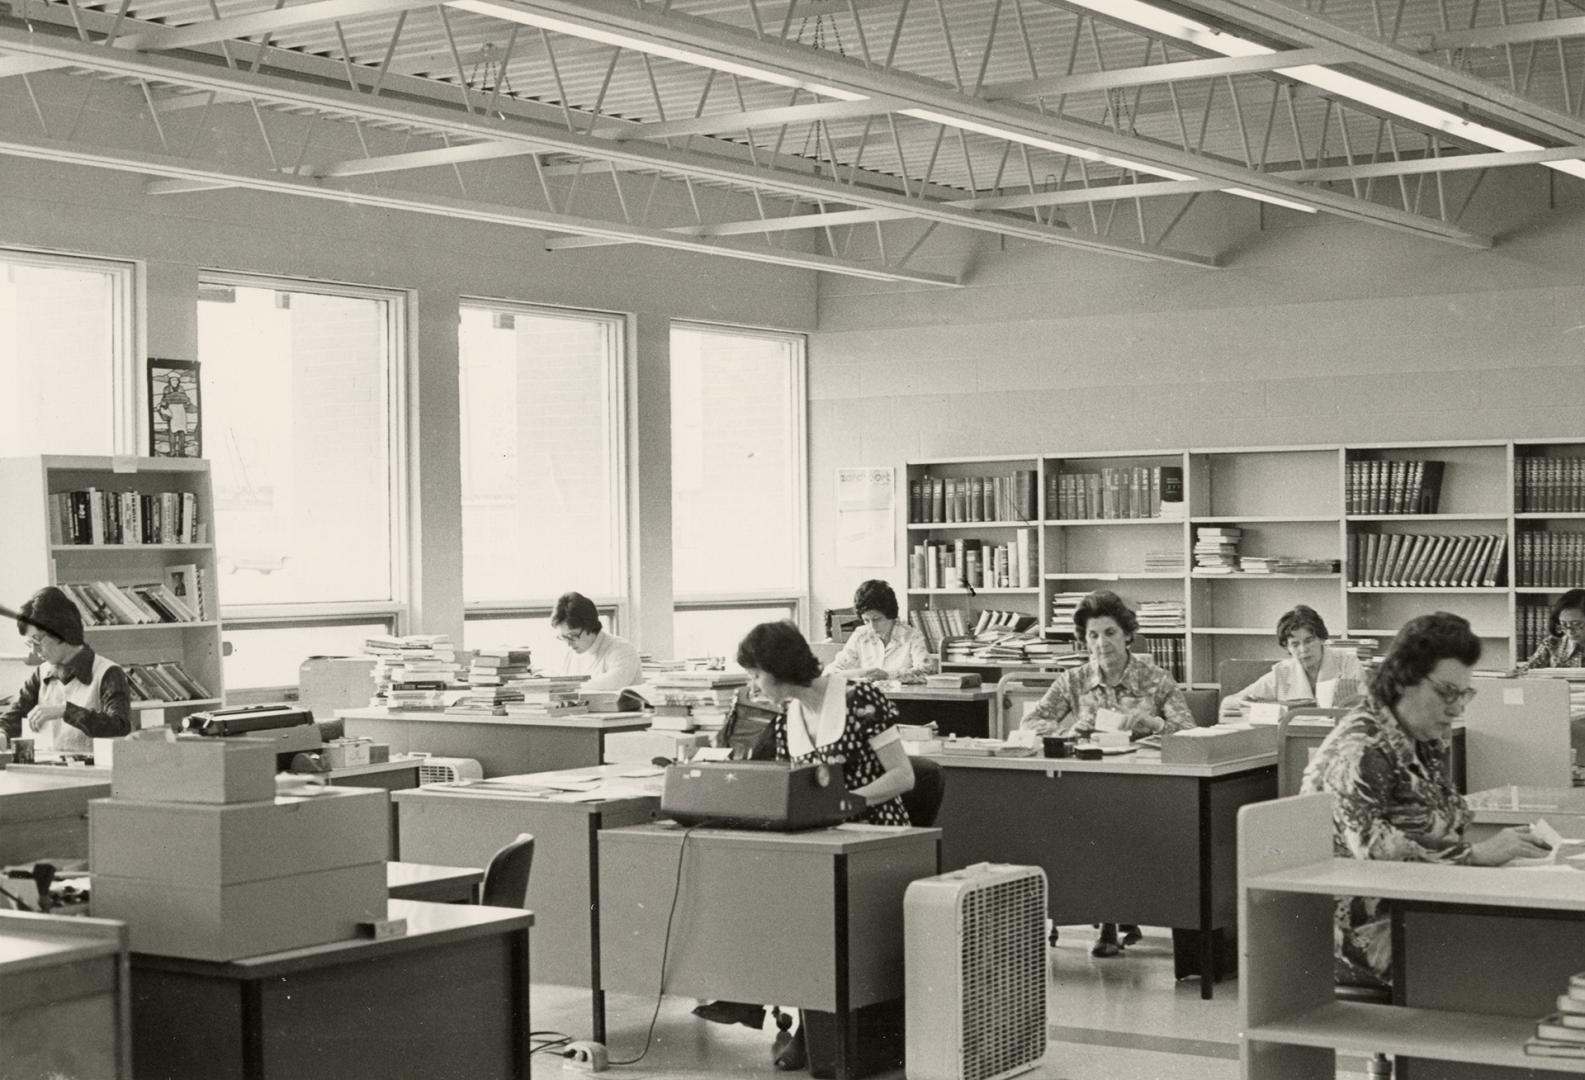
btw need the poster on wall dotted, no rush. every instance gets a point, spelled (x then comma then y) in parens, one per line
(866, 516)
(175, 429)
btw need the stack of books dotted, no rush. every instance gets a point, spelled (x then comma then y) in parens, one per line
(1162, 615)
(1063, 605)
(1286, 564)
(1163, 562)
(413, 672)
(705, 695)
(1563, 1033)
(1216, 549)
(1363, 647)
(498, 665)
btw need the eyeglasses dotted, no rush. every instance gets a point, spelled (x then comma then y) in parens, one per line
(569, 636)
(1451, 695)
(1572, 624)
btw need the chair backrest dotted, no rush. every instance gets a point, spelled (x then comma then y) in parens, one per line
(1233, 675)
(923, 803)
(1202, 703)
(506, 878)
(1016, 689)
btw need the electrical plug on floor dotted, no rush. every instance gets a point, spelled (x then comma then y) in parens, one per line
(585, 1055)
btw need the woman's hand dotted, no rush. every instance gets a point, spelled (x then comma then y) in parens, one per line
(43, 714)
(1510, 844)
(1145, 726)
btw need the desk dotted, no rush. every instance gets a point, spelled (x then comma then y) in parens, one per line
(438, 884)
(44, 813)
(1126, 839)
(1480, 955)
(446, 823)
(449, 999)
(822, 911)
(63, 997)
(964, 712)
(503, 745)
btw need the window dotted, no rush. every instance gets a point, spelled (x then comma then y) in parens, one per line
(266, 655)
(542, 423)
(301, 399)
(738, 480)
(66, 332)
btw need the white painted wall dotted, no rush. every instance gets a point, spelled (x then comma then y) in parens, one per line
(101, 213)
(1317, 330)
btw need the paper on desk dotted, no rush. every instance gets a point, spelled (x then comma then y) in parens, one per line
(1110, 720)
(641, 772)
(1562, 847)
(865, 826)
(578, 796)
(712, 753)
(571, 783)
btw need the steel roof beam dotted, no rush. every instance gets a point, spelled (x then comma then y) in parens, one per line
(211, 31)
(717, 123)
(1487, 37)
(1152, 74)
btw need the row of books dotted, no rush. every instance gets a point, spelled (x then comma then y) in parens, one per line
(1531, 619)
(948, 564)
(1133, 491)
(1393, 487)
(163, 680)
(1551, 559)
(109, 603)
(945, 499)
(1285, 564)
(1409, 560)
(1165, 652)
(92, 516)
(1549, 485)
(938, 624)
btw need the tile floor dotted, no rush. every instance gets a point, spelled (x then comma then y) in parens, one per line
(1118, 1019)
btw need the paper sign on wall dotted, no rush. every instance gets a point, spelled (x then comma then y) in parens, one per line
(866, 516)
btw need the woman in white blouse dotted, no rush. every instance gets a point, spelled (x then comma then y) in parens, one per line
(882, 648)
(1313, 672)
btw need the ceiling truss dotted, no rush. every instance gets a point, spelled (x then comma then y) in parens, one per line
(829, 136)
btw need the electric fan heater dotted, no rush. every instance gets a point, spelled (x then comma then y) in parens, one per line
(975, 958)
(446, 770)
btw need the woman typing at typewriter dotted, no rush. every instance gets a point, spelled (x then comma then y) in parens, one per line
(76, 695)
(829, 721)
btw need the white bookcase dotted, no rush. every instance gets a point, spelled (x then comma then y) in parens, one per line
(1290, 500)
(29, 559)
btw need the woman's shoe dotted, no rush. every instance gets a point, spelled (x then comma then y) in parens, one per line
(1131, 934)
(790, 1052)
(732, 1012)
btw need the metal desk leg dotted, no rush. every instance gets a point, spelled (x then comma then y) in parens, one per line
(844, 1017)
(597, 1007)
(1207, 938)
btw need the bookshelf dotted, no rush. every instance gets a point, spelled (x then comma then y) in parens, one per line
(1509, 514)
(37, 549)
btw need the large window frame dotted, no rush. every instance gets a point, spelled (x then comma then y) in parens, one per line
(129, 426)
(400, 311)
(612, 607)
(798, 394)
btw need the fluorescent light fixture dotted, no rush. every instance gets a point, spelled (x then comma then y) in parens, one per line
(640, 43)
(1159, 21)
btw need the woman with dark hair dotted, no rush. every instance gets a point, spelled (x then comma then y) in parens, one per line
(831, 721)
(882, 648)
(1564, 646)
(1113, 680)
(1384, 763)
(610, 662)
(1313, 672)
(76, 695)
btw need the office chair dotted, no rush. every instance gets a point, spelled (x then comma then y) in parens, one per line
(1379, 1067)
(923, 803)
(506, 878)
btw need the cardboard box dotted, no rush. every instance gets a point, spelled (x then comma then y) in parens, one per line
(347, 753)
(1214, 745)
(193, 769)
(227, 922)
(209, 845)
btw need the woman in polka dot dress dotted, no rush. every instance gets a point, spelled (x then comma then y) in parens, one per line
(829, 720)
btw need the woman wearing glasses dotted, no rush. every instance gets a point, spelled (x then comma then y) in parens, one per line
(1384, 762)
(610, 662)
(1564, 646)
(1314, 671)
(76, 695)
(882, 648)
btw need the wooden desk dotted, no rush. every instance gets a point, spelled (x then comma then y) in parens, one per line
(44, 813)
(447, 823)
(448, 999)
(1480, 955)
(503, 745)
(1126, 839)
(964, 712)
(63, 997)
(437, 884)
(822, 909)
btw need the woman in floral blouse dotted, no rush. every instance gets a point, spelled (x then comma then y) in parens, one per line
(1384, 762)
(1564, 646)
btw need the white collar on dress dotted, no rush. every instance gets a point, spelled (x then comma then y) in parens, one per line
(826, 726)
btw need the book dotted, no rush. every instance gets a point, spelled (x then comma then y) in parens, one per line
(1562, 1027)
(1537, 1047)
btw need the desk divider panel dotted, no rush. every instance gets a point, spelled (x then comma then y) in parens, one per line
(1518, 733)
